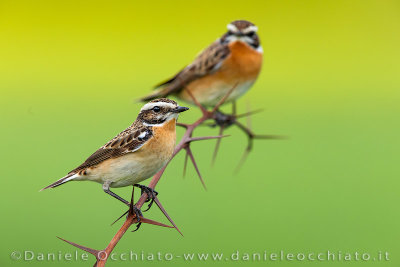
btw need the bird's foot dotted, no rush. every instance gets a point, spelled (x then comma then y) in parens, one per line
(224, 120)
(151, 194)
(133, 210)
(138, 214)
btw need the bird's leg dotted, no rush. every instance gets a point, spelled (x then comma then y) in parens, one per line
(106, 188)
(223, 121)
(151, 194)
(132, 210)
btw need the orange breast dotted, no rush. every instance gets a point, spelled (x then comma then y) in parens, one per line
(162, 144)
(243, 62)
(241, 67)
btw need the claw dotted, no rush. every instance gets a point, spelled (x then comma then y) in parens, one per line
(137, 227)
(138, 213)
(151, 194)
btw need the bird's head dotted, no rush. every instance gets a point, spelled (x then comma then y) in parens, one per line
(244, 31)
(159, 111)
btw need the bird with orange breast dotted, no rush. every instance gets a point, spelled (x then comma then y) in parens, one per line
(134, 155)
(233, 62)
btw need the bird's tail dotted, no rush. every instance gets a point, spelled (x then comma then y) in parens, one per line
(163, 89)
(157, 94)
(63, 180)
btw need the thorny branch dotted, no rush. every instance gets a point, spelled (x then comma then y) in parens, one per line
(221, 120)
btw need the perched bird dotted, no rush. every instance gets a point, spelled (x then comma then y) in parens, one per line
(234, 60)
(135, 154)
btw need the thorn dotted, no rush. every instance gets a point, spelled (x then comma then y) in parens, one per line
(275, 137)
(185, 164)
(148, 221)
(234, 108)
(189, 151)
(166, 214)
(119, 218)
(221, 131)
(92, 251)
(250, 136)
(247, 131)
(249, 113)
(245, 154)
(134, 211)
(248, 117)
(206, 138)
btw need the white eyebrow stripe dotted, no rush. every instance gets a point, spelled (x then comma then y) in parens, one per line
(149, 106)
(232, 28)
(250, 29)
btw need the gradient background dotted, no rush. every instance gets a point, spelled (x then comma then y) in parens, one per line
(69, 72)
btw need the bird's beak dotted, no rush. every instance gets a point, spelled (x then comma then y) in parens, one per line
(180, 109)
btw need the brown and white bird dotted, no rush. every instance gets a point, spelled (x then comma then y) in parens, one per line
(234, 60)
(137, 153)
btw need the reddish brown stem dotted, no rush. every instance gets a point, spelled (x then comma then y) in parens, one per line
(184, 144)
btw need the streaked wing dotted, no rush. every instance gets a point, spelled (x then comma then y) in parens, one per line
(207, 62)
(127, 141)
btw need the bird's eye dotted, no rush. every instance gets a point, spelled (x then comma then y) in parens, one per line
(156, 109)
(250, 34)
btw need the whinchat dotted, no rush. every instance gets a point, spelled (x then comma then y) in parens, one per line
(137, 153)
(233, 61)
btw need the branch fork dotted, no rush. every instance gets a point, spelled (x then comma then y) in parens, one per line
(135, 217)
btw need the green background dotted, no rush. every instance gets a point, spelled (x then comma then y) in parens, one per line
(71, 70)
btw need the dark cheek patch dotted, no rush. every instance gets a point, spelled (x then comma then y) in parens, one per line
(150, 117)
